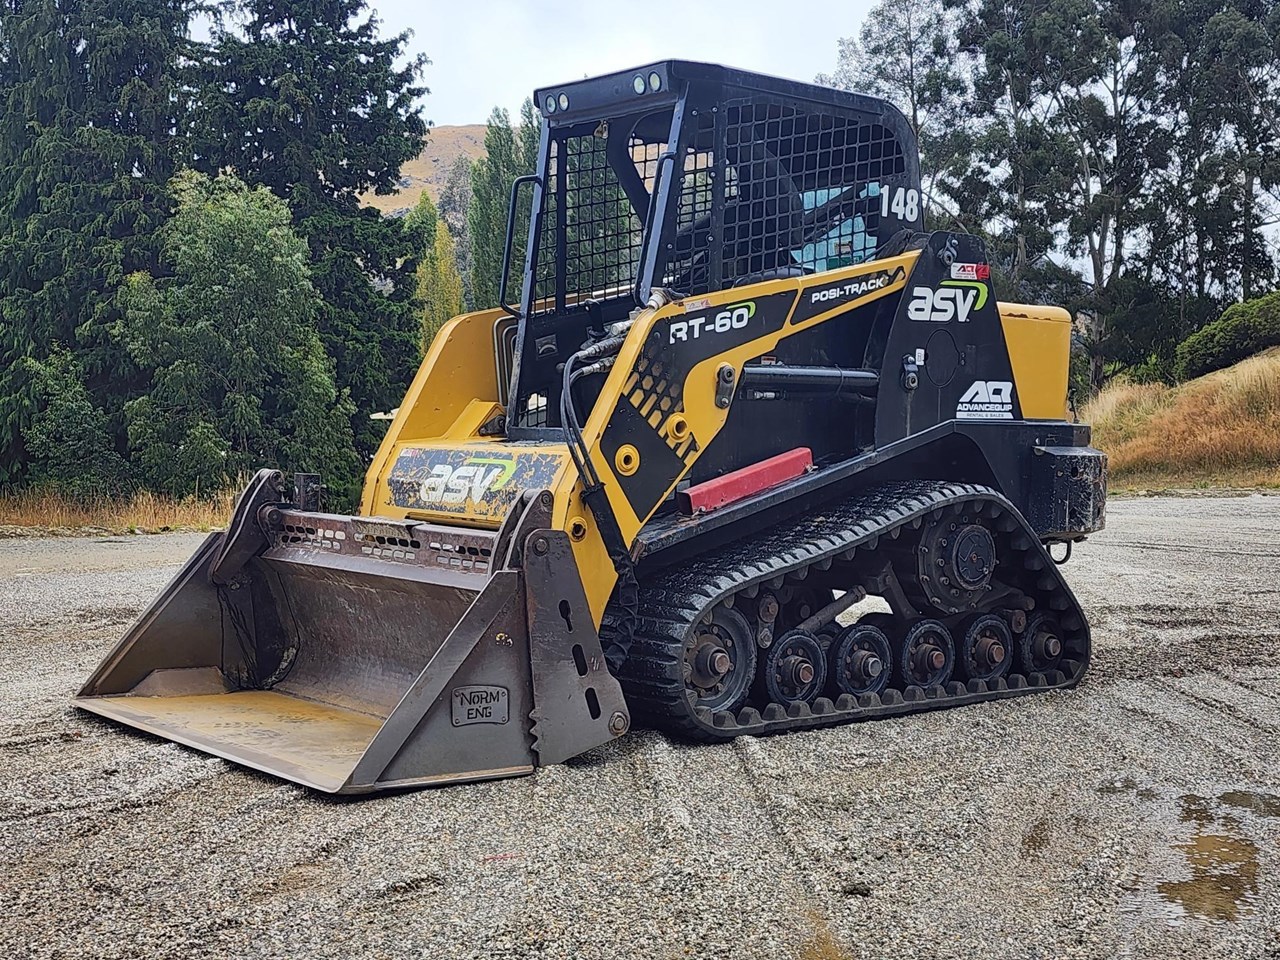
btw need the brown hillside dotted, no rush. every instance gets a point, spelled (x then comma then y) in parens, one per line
(1222, 429)
(429, 169)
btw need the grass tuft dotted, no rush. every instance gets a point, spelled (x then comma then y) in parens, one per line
(143, 512)
(1222, 429)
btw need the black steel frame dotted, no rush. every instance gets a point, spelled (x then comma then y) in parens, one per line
(691, 199)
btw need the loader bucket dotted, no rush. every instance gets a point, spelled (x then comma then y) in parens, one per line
(352, 654)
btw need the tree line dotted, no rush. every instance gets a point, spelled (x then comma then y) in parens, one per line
(1122, 159)
(191, 286)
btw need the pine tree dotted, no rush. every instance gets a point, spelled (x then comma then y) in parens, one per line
(307, 98)
(90, 113)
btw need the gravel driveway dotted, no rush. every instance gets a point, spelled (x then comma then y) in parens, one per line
(1137, 816)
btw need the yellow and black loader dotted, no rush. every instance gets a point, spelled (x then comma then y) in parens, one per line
(740, 392)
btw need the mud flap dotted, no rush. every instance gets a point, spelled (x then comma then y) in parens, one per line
(354, 655)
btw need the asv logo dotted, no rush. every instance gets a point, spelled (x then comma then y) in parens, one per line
(734, 317)
(953, 300)
(473, 480)
(986, 400)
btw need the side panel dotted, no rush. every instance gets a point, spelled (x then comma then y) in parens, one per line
(660, 399)
(1039, 341)
(458, 368)
(944, 351)
(666, 399)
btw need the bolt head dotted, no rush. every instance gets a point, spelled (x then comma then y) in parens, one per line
(618, 724)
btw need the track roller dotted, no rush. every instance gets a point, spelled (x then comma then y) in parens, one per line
(720, 661)
(1040, 647)
(860, 661)
(926, 655)
(794, 669)
(984, 650)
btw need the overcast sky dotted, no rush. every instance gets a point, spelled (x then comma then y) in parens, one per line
(487, 53)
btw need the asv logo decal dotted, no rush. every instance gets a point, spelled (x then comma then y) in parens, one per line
(734, 317)
(953, 300)
(986, 400)
(473, 480)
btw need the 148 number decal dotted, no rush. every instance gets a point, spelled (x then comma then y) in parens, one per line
(902, 202)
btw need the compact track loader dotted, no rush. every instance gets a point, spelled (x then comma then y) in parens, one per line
(740, 392)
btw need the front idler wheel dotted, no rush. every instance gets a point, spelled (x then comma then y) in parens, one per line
(926, 655)
(1040, 647)
(794, 669)
(860, 660)
(720, 661)
(985, 648)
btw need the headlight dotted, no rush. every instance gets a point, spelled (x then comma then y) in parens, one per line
(638, 84)
(655, 82)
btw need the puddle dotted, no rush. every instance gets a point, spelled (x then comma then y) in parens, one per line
(1221, 860)
(1262, 804)
(1224, 877)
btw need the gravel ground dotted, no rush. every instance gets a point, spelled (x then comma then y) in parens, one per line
(1137, 816)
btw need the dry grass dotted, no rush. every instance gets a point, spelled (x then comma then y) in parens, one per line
(429, 169)
(48, 512)
(1222, 429)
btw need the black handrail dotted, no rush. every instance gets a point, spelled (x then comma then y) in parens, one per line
(506, 247)
(669, 156)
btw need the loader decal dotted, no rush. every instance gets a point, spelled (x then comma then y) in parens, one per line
(466, 480)
(987, 400)
(822, 299)
(953, 300)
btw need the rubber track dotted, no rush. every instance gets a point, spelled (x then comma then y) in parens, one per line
(672, 603)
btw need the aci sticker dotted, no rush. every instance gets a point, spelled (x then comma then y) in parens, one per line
(986, 400)
(479, 705)
(472, 480)
(970, 271)
(953, 300)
